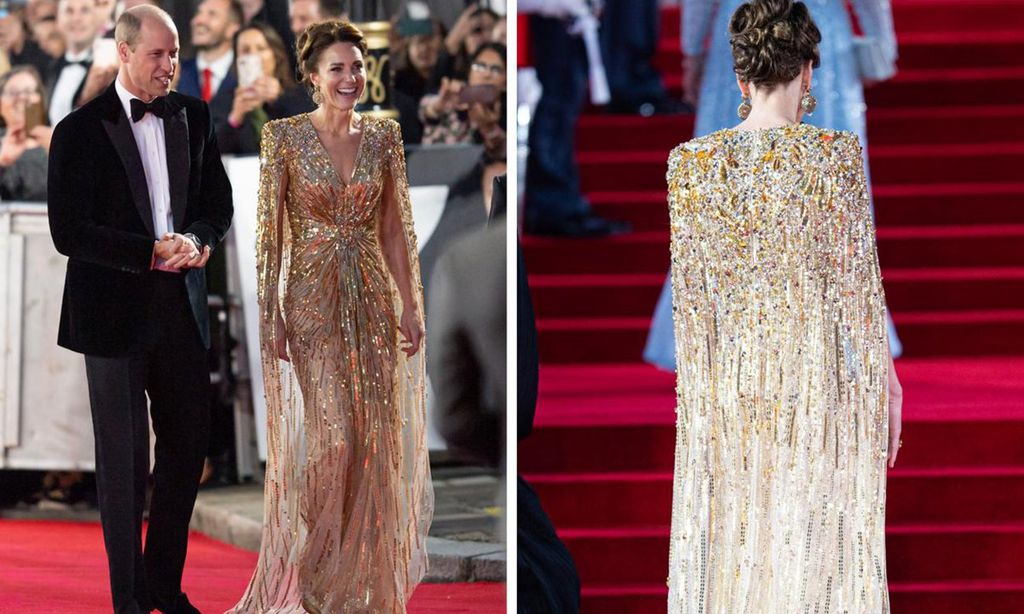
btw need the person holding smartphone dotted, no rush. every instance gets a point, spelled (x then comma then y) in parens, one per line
(24, 136)
(266, 89)
(472, 111)
(414, 55)
(472, 29)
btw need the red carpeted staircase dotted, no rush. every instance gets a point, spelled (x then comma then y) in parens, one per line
(946, 145)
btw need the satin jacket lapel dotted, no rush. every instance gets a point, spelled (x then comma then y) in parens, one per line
(178, 163)
(118, 128)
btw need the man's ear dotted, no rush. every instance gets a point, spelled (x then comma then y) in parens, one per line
(122, 51)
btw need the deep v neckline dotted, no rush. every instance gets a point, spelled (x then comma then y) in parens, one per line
(327, 152)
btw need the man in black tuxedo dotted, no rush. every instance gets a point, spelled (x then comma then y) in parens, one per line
(138, 198)
(73, 79)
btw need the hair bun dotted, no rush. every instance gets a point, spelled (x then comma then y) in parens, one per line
(781, 31)
(772, 40)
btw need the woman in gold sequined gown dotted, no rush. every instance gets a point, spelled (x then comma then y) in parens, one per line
(348, 498)
(788, 405)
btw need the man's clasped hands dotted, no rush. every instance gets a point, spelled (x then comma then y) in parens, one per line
(179, 252)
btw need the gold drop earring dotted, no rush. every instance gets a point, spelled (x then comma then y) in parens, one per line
(808, 103)
(744, 109)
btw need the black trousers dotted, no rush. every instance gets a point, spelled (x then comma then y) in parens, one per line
(552, 176)
(171, 368)
(629, 42)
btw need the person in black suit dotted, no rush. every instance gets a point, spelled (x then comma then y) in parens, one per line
(554, 203)
(211, 75)
(629, 42)
(138, 198)
(73, 79)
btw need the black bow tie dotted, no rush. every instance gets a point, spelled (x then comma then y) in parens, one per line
(82, 63)
(158, 107)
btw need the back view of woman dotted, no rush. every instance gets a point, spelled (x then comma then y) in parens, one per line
(788, 405)
(839, 84)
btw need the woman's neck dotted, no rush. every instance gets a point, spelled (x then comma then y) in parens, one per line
(778, 106)
(337, 121)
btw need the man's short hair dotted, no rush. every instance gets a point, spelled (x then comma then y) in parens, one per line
(235, 12)
(129, 24)
(331, 8)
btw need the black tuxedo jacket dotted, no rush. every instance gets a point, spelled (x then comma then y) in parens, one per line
(220, 105)
(56, 66)
(101, 217)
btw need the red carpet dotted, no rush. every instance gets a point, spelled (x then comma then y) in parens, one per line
(947, 140)
(60, 567)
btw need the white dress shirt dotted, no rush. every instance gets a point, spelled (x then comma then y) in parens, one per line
(149, 136)
(70, 79)
(219, 69)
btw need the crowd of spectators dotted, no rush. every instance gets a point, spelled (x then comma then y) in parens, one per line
(56, 55)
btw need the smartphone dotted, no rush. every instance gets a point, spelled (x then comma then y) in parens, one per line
(482, 94)
(250, 69)
(104, 52)
(34, 116)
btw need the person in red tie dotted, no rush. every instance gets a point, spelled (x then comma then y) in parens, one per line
(211, 75)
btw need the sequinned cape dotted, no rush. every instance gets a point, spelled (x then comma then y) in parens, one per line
(348, 497)
(836, 84)
(781, 434)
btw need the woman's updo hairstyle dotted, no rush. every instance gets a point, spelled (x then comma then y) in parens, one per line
(772, 40)
(319, 36)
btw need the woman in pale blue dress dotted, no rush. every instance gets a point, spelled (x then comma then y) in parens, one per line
(838, 86)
